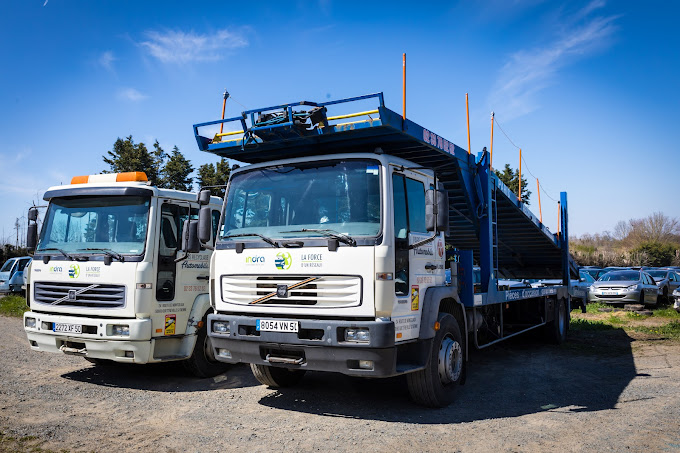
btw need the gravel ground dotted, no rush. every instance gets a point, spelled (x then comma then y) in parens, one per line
(602, 391)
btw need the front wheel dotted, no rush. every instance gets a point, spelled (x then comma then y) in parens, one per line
(436, 384)
(276, 377)
(202, 362)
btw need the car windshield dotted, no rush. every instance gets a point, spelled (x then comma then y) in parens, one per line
(658, 274)
(7, 266)
(339, 196)
(91, 225)
(620, 276)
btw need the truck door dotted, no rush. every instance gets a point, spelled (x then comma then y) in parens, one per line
(414, 269)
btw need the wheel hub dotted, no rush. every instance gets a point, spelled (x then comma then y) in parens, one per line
(450, 360)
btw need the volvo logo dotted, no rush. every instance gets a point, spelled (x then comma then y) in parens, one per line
(282, 291)
(71, 294)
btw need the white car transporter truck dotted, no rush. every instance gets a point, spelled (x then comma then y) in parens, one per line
(332, 250)
(108, 280)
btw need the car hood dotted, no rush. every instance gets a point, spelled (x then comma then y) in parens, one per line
(615, 283)
(4, 275)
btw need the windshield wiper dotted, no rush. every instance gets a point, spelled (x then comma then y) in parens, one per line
(328, 233)
(107, 252)
(242, 235)
(58, 250)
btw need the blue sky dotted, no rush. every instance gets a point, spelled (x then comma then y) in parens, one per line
(587, 89)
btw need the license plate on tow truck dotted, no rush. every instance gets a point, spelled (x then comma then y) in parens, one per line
(67, 328)
(276, 325)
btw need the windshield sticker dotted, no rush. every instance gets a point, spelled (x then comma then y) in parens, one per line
(415, 298)
(311, 260)
(74, 271)
(372, 170)
(170, 322)
(283, 261)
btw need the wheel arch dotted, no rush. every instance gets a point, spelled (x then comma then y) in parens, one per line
(199, 308)
(442, 299)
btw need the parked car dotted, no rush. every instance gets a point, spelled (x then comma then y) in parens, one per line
(624, 287)
(579, 288)
(609, 269)
(667, 281)
(675, 297)
(12, 274)
(591, 270)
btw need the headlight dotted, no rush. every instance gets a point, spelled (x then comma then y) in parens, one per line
(30, 323)
(120, 330)
(633, 287)
(221, 326)
(358, 335)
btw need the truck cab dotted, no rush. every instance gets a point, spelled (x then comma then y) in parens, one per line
(109, 280)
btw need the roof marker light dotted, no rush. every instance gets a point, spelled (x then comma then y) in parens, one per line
(130, 176)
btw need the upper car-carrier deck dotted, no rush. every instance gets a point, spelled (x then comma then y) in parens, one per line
(485, 216)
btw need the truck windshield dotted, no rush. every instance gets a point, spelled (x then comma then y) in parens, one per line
(111, 223)
(342, 196)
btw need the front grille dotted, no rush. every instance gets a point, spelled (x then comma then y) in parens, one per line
(319, 291)
(89, 295)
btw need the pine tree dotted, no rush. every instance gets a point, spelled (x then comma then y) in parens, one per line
(214, 175)
(128, 156)
(176, 172)
(510, 178)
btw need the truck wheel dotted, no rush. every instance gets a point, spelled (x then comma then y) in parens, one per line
(276, 377)
(202, 362)
(436, 384)
(556, 330)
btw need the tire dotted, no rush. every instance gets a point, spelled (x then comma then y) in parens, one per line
(202, 362)
(436, 384)
(664, 297)
(556, 330)
(276, 377)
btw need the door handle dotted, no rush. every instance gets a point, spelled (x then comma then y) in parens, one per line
(203, 277)
(430, 267)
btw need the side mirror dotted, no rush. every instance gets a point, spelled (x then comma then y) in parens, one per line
(32, 236)
(32, 214)
(204, 225)
(437, 210)
(190, 243)
(203, 197)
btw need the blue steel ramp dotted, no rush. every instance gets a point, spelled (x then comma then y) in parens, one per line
(484, 215)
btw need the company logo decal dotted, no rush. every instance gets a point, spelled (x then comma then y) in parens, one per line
(311, 260)
(283, 261)
(255, 260)
(55, 269)
(440, 248)
(74, 271)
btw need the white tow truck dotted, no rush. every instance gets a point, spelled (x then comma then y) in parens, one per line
(109, 281)
(331, 253)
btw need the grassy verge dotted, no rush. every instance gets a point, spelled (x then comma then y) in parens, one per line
(13, 306)
(24, 444)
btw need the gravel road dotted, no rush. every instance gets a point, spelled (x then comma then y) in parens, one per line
(603, 391)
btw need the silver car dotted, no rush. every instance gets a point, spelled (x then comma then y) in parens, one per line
(624, 287)
(667, 281)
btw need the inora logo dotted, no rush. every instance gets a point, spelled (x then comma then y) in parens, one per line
(74, 271)
(283, 260)
(255, 260)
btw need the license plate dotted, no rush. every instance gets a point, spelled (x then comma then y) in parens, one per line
(67, 328)
(276, 325)
(610, 293)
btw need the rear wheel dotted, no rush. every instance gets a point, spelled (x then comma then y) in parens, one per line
(436, 384)
(202, 362)
(556, 330)
(276, 377)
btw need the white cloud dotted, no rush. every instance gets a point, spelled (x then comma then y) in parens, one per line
(106, 60)
(130, 94)
(181, 47)
(527, 72)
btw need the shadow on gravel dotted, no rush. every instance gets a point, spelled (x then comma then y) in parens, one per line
(588, 373)
(161, 377)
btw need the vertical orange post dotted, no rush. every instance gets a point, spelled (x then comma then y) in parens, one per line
(538, 190)
(467, 110)
(491, 152)
(519, 192)
(224, 105)
(403, 115)
(559, 218)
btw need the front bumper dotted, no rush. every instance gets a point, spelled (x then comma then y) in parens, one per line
(96, 341)
(631, 297)
(318, 345)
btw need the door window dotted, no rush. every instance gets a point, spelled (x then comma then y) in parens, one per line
(172, 219)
